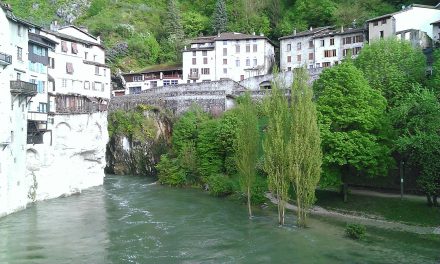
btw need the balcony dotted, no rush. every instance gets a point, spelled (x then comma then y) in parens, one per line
(5, 59)
(23, 88)
(37, 116)
(194, 76)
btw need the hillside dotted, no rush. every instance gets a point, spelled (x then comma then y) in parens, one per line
(138, 33)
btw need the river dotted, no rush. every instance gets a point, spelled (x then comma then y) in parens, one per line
(129, 220)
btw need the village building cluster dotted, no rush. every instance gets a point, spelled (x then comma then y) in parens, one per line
(238, 56)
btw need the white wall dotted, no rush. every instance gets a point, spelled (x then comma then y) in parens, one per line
(417, 18)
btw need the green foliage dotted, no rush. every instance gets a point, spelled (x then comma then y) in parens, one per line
(208, 150)
(220, 17)
(434, 80)
(173, 22)
(169, 172)
(219, 185)
(146, 46)
(392, 67)
(351, 117)
(194, 24)
(355, 231)
(132, 124)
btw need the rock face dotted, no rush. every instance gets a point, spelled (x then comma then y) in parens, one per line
(72, 10)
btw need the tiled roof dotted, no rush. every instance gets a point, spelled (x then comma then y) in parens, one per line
(227, 36)
(312, 31)
(339, 32)
(157, 68)
(403, 10)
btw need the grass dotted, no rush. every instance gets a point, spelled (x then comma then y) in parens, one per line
(413, 212)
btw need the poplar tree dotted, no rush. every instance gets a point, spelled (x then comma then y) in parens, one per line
(173, 21)
(220, 17)
(274, 146)
(304, 151)
(247, 146)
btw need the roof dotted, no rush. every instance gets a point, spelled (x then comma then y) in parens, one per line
(157, 68)
(41, 40)
(229, 36)
(68, 37)
(340, 32)
(403, 10)
(311, 31)
(79, 29)
(95, 63)
(435, 22)
(8, 10)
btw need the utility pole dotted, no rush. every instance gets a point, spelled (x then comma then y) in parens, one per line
(401, 179)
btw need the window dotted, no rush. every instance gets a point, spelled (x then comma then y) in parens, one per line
(318, 65)
(94, 86)
(289, 58)
(237, 48)
(19, 54)
(105, 72)
(18, 76)
(329, 53)
(346, 40)
(74, 48)
(255, 48)
(166, 82)
(135, 90)
(205, 60)
(332, 42)
(137, 78)
(153, 84)
(87, 85)
(52, 63)
(289, 47)
(225, 61)
(237, 63)
(63, 46)
(225, 51)
(322, 42)
(241, 77)
(42, 108)
(248, 62)
(381, 34)
(311, 56)
(40, 86)
(174, 82)
(375, 23)
(345, 52)
(194, 53)
(298, 46)
(298, 58)
(289, 68)
(38, 50)
(225, 42)
(248, 48)
(205, 71)
(225, 70)
(64, 83)
(326, 64)
(255, 62)
(94, 57)
(356, 50)
(311, 44)
(96, 70)
(19, 30)
(359, 38)
(384, 21)
(85, 55)
(204, 53)
(194, 61)
(69, 68)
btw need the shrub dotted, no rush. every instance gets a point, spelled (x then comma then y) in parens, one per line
(355, 231)
(169, 172)
(219, 185)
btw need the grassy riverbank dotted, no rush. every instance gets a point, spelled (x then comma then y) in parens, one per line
(408, 211)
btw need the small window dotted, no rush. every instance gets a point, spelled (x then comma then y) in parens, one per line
(166, 83)
(64, 46)
(204, 53)
(225, 51)
(381, 34)
(255, 62)
(175, 82)
(255, 48)
(69, 68)
(298, 46)
(74, 48)
(311, 56)
(384, 21)
(137, 78)
(153, 84)
(205, 60)
(19, 54)
(194, 53)
(289, 58)
(225, 61)
(205, 71)
(289, 47)
(237, 63)
(85, 55)
(311, 44)
(248, 48)
(375, 23)
(87, 85)
(248, 62)
(289, 68)
(322, 42)
(225, 70)
(96, 70)
(64, 83)
(225, 42)
(298, 58)
(332, 42)
(194, 61)
(237, 48)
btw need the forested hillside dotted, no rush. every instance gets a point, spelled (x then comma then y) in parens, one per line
(138, 33)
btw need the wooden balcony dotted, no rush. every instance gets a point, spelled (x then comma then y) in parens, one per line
(23, 88)
(5, 59)
(194, 76)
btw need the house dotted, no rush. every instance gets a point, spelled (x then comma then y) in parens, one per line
(228, 55)
(152, 77)
(436, 32)
(411, 23)
(78, 78)
(320, 47)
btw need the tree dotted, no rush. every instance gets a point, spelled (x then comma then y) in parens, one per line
(304, 149)
(247, 146)
(351, 118)
(434, 80)
(417, 119)
(392, 67)
(275, 147)
(173, 22)
(220, 17)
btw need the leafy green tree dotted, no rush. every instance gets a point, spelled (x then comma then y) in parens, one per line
(315, 13)
(417, 119)
(304, 149)
(392, 67)
(194, 24)
(434, 80)
(247, 146)
(351, 117)
(275, 146)
(173, 22)
(220, 17)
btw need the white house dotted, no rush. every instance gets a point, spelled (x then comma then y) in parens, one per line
(320, 47)
(412, 18)
(228, 55)
(152, 77)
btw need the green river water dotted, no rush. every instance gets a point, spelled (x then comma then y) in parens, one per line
(129, 220)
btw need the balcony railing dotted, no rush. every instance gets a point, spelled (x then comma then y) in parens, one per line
(5, 59)
(25, 88)
(194, 76)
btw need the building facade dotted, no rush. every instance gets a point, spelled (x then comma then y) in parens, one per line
(156, 76)
(228, 55)
(320, 47)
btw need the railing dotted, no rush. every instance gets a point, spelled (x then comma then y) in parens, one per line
(5, 58)
(173, 76)
(26, 88)
(193, 76)
(37, 116)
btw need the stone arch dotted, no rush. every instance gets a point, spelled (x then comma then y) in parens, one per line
(62, 133)
(32, 159)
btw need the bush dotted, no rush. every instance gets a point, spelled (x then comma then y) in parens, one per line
(355, 231)
(169, 172)
(219, 185)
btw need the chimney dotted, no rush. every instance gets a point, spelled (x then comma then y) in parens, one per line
(218, 33)
(54, 25)
(294, 31)
(83, 28)
(311, 28)
(98, 39)
(253, 33)
(261, 34)
(342, 29)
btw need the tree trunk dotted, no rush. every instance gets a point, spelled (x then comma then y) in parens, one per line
(434, 200)
(345, 191)
(249, 201)
(429, 200)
